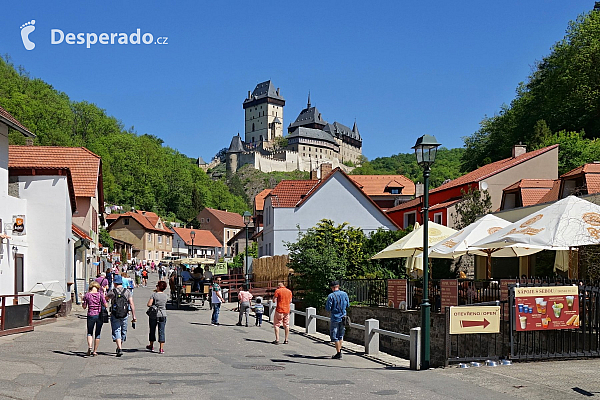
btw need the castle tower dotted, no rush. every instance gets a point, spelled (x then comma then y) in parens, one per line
(263, 114)
(236, 148)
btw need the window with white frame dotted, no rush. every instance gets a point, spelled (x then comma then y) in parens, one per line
(149, 237)
(159, 238)
(168, 239)
(437, 218)
(410, 218)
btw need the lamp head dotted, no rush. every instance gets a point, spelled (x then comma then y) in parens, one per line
(247, 216)
(426, 150)
(192, 235)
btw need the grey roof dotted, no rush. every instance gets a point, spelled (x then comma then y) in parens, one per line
(277, 120)
(264, 90)
(316, 134)
(338, 130)
(309, 115)
(236, 145)
(201, 161)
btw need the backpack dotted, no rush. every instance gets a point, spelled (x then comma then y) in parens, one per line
(120, 306)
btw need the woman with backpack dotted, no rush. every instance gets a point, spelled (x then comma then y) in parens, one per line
(145, 277)
(94, 301)
(157, 316)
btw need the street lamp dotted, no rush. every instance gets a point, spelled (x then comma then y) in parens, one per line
(179, 248)
(425, 150)
(192, 235)
(247, 216)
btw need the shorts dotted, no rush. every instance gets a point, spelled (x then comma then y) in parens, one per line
(281, 319)
(336, 331)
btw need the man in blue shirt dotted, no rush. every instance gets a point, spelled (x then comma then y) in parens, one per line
(337, 303)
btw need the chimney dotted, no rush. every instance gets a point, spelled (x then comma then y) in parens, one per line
(248, 94)
(314, 175)
(518, 150)
(325, 170)
(29, 142)
(277, 91)
(419, 189)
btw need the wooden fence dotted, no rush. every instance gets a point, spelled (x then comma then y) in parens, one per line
(273, 268)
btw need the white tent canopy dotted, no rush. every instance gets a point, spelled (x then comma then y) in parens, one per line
(570, 222)
(412, 244)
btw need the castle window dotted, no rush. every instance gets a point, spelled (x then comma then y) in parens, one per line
(253, 129)
(261, 138)
(252, 139)
(303, 154)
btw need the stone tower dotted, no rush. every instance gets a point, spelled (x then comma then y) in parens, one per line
(236, 148)
(263, 113)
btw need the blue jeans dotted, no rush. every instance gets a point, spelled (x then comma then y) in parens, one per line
(215, 313)
(94, 321)
(336, 331)
(161, 322)
(259, 318)
(119, 328)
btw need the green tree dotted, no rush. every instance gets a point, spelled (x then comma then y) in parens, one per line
(106, 240)
(473, 203)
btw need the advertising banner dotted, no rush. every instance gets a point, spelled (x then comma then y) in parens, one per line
(397, 293)
(18, 228)
(449, 292)
(547, 307)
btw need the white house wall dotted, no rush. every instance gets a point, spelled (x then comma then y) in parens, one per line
(338, 200)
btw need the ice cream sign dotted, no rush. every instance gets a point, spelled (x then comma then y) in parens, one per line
(548, 307)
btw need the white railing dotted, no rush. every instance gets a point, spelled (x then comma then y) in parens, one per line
(371, 331)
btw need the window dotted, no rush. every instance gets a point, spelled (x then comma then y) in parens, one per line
(410, 218)
(228, 233)
(253, 130)
(201, 220)
(437, 218)
(149, 237)
(395, 191)
(260, 137)
(207, 220)
(168, 240)
(159, 238)
(125, 221)
(157, 255)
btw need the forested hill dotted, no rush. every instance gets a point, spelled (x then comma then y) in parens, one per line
(138, 169)
(559, 103)
(447, 166)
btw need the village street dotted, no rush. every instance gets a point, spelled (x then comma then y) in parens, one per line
(229, 362)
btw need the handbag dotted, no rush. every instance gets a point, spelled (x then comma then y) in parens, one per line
(152, 311)
(103, 314)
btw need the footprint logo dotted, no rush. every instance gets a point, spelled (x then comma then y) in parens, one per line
(26, 29)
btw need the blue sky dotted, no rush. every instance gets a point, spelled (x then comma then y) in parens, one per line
(401, 69)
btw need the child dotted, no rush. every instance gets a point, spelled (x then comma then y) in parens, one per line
(259, 309)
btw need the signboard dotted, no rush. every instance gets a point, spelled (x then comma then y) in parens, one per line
(474, 319)
(397, 293)
(504, 295)
(449, 293)
(218, 269)
(18, 225)
(546, 307)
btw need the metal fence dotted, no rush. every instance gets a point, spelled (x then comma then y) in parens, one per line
(369, 292)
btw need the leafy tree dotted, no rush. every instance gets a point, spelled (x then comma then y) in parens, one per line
(106, 240)
(473, 203)
(384, 268)
(238, 259)
(280, 143)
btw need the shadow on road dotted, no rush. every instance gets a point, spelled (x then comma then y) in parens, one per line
(259, 340)
(70, 353)
(205, 324)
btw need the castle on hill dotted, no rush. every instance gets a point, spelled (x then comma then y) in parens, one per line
(310, 142)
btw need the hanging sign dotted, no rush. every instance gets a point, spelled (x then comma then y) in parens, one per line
(18, 226)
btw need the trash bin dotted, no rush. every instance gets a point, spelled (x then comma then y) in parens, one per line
(226, 294)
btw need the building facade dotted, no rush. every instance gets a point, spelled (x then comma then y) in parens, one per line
(223, 225)
(203, 245)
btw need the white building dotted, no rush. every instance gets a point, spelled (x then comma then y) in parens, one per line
(295, 206)
(36, 205)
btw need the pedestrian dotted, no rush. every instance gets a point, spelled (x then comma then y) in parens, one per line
(208, 276)
(283, 297)
(216, 300)
(160, 272)
(145, 277)
(122, 303)
(158, 299)
(127, 281)
(94, 301)
(109, 276)
(138, 276)
(103, 282)
(244, 297)
(259, 310)
(337, 303)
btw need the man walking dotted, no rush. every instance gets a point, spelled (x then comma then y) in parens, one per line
(122, 303)
(216, 301)
(337, 303)
(283, 297)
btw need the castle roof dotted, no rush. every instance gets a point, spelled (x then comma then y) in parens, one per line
(309, 115)
(264, 90)
(338, 130)
(236, 145)
(315, 134)
(201, 161)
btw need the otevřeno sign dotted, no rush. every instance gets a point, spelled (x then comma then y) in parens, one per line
(88, 39)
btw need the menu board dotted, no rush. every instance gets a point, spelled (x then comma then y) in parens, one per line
(397, 293)
(504, 296)
(449, 292)
(547, 307)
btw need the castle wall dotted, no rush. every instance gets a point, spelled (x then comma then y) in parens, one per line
(262, 116)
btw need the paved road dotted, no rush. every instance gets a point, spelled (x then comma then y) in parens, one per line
(224, 362)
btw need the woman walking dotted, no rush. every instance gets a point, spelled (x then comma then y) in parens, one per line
(244, 297)
(94, 301)
(158, 319)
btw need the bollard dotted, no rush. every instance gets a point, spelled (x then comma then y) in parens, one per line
(415, 348)
(311, 321)
(371, 338)
(292, 315)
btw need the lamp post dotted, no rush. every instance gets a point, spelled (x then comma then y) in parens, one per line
(425, 150)
(192, 235)
(247, 216)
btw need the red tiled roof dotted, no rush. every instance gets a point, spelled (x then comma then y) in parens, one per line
(80, 232)
(445, 204)
(228, 218)
(551, 195)
(592, 182)
(591, 168)
(408, 204)
(203, 238)
(142, 220)
(11, 121)
(259, 200)
(112, 217)
(290, 193)
(85, 166)
(376, 184)
(531, 196)
(531, 183)
(152, 217)
(492, 169)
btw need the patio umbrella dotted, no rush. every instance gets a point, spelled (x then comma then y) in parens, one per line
(459, 243)
(412, 244)
(195, 260)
